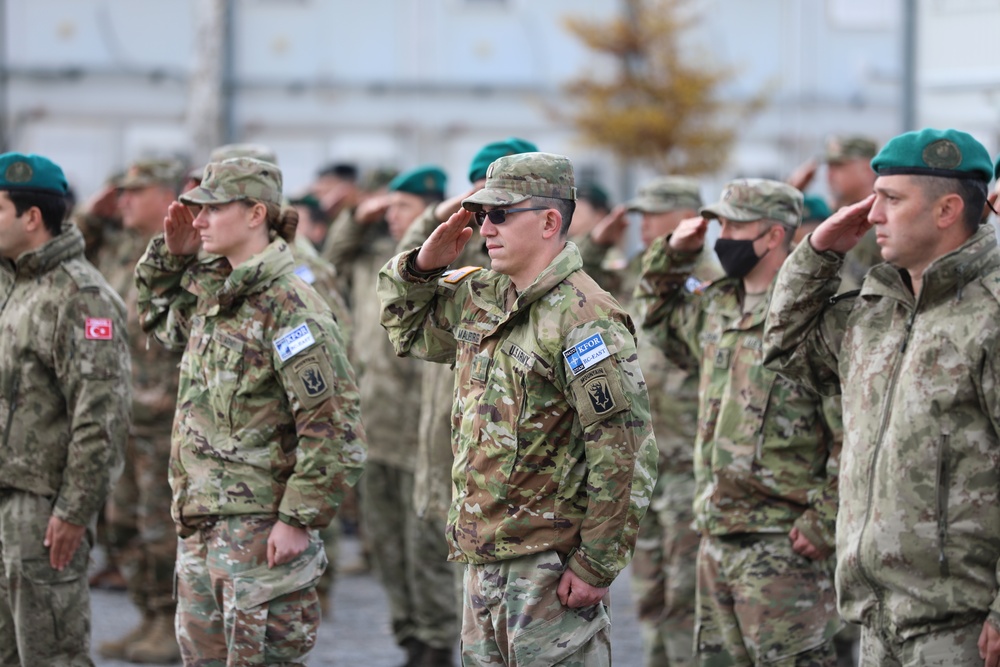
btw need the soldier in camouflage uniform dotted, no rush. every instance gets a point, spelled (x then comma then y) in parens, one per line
(64, 406)
(915, 357)
(765, 455)
(663, 569)
(268, 431)
(410, 556)
(554, 454)
(141, 534)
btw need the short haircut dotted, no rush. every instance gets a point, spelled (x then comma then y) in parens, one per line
(566, 208)
(972, 191)
(52, 205)
(341, 170)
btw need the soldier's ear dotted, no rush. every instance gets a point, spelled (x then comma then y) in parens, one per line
(553, 223)
(33, 220)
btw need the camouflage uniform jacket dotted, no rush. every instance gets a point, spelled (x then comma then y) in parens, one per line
(554, 451)
(155, 370)
(918, 533)
(64, 378)
(267, 415)
(390, 386)
(766, 451)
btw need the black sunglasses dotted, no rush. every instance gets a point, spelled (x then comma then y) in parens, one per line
(499, 215)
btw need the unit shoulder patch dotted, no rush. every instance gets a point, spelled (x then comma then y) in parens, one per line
(586, 353)
(293, 342)
(312, 378)
(599, 395)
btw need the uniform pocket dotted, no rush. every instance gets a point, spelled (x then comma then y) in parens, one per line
(262, 584)
(551, 641)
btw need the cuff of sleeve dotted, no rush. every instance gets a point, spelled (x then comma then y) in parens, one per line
(827, 256)
(994, 616)
(579, 567)
(291, 521)
(165, 259)
(816, 531)
(408, 269)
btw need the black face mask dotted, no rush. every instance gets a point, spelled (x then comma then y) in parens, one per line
(738, 257)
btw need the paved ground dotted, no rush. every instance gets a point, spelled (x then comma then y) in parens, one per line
(358, 634)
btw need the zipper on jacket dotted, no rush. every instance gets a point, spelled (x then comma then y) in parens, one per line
(960, 270)
(942, 483)
(890, 392)
(12, 401)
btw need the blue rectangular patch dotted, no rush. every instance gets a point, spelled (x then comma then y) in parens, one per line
(294, 342)
(585, 354)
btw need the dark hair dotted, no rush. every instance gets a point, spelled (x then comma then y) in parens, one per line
(53, 207)
(347, 172)
(566, 208)
(972, 191)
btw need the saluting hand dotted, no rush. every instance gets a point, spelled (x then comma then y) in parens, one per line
(609, 230)
(842, 230)
(179, 232)
(446, 242)
(447, 208)
(371, 209)
(689, 235)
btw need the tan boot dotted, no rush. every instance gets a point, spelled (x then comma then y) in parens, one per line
(115, 650)
(159, 646)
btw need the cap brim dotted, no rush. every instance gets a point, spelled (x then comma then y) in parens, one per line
(646, 205)
(729, 212)
(493, 197)
(200, 196)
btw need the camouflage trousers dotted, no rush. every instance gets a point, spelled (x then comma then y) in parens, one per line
(946, 648)
(141, 534)
(411, 558)
(232, 609)
(513, 617)
(44, 613)
(664, 575)
(760, 603)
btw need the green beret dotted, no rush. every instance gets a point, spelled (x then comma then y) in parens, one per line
(814, 208)
(929, 152)
(20, 172)
(427, 180)
(490, 152)
(595, 194)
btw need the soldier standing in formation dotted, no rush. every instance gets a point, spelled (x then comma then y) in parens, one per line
(268, 431)
(765, 456)
(916, 357)
(141, 535)
(554, 454)
(64, 406)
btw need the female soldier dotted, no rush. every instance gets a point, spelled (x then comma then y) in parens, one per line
(268, 431)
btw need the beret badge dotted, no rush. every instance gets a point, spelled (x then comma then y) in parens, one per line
(19, 172)
(942, 154)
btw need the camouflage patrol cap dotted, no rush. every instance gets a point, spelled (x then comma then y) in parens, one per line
(667, 193)
(749, 199)
(929, 152)
(164, 172)
(849, 147)
(514, 178)
(497, 149)
(235, 179)
(425, 181)
(31, 173)
(256, 151)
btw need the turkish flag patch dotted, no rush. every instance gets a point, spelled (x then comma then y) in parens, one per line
(98, 328)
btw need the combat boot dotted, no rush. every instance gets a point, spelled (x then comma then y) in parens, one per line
(434, 657)
(414, 649)
(115, 650)
(159, 646)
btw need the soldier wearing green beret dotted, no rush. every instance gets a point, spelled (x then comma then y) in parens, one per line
(765, 497)
(65, 403)
(554, 454)
(914, 356)
(268, 431)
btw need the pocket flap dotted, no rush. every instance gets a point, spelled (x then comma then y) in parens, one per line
(261, 584)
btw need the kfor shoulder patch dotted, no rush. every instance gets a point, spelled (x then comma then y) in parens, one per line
(312, 378)
(598, 395)
(456, 276)
(294, 341)
(586, 353)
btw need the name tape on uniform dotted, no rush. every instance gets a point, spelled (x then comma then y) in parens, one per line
(294, 342)
(98, 328)
(586, 353)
